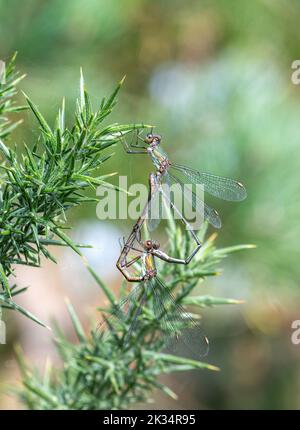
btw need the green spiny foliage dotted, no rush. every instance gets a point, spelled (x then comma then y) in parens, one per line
(9, 79)
(38, 188)
(101, 371)
(50, 177)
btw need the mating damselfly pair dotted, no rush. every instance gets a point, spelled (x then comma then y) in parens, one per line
(138, 257)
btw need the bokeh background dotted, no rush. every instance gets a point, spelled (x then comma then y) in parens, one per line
(215, 78)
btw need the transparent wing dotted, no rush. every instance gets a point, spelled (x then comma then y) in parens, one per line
(176, 322)
(217, 186)
(123, 316)
(210, 214)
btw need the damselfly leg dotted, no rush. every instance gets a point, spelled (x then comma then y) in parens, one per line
(134, 148)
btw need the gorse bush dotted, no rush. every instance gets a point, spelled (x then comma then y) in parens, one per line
(51, 176)
(102, 371)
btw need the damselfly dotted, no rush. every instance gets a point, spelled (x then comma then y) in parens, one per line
(137, 263)
(162, 307)
(169, 172)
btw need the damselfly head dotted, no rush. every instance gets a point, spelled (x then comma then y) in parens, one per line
(155, 244)
(151, 244)
(153, 139)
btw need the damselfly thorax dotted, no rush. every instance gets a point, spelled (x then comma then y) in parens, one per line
(159, 159)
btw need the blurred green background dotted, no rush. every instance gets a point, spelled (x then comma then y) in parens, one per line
(215, 78)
